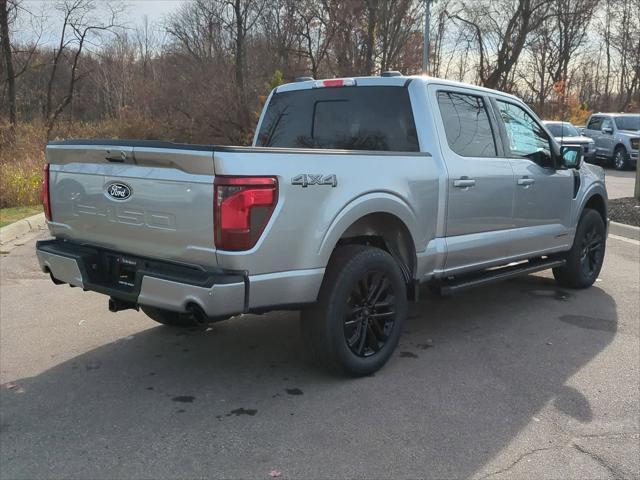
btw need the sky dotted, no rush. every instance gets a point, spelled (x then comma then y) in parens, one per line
(156, 10)
(136, 10)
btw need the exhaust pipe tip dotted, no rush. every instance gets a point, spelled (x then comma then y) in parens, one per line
(197, 313)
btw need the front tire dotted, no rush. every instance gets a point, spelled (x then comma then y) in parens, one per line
(356, 324)
(620, 158)
(167, 317)
(584, 260)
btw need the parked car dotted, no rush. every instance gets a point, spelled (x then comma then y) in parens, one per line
(566, 134)
(355, 193)
(617, 137)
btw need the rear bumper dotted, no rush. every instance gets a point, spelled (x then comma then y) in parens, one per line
(218, 292)
(160, 284)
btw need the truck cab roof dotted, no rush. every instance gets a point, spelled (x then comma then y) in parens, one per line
(381, 81)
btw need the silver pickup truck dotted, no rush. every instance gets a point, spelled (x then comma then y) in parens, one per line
(616, 137)
(355, 193)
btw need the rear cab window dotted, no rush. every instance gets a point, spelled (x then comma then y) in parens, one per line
(347, 118)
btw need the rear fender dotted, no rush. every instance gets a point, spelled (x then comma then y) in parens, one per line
(374, 202)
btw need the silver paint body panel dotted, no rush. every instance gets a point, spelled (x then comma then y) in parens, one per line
(169, 214)
(62, 268)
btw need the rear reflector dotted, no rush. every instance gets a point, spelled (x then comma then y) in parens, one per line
(242, 209)
(44, 193)
(335, 82)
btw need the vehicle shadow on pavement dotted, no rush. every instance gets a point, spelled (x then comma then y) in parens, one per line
(240, 398)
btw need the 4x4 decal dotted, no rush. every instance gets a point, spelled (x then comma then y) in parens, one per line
(306, 179)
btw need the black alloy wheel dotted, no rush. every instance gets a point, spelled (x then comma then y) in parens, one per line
(355, 325)
(592, 250)
(370, 315)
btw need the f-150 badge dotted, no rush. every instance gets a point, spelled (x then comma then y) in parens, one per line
(306, 179)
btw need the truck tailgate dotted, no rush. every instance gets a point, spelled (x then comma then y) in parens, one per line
(153, 201)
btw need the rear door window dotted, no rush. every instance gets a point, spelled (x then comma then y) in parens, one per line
(349, 118)
(466, 124)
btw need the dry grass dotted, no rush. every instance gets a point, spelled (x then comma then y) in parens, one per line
(22, 156)
(21, 161)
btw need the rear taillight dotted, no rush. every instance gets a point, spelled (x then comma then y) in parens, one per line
(44, 192)
(242, 208)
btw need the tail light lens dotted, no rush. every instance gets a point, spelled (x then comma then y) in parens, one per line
(243, 207)
(44, 192)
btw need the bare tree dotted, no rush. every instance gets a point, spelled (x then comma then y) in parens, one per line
(281, 26)
(315, 32)
(535, 73)
(78, 29)
(500, 29)
(198, 28)
(246, 14)
(11, 71)
(7, 14)
(439, 36)
(571, 19)
(626, 43)
(399, 21)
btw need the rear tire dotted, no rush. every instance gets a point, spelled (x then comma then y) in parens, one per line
(620, 158)
(167, 317)
(356, 323)
(584, 260)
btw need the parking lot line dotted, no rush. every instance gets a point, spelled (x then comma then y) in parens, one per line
(624, 239)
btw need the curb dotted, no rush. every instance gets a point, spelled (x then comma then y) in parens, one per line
(624, 230)
(22, 227)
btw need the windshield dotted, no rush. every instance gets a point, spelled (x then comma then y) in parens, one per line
(630, 122)
(562, 130)
(351, 118)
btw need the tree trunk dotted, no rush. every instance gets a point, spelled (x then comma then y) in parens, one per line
(240, 33)
(8, 61)
(369, 47)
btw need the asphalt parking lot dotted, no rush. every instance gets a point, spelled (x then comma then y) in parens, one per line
(620, 184)
(517, 380)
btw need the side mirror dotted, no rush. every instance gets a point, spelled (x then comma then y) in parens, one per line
(571, 156)
(607, 130)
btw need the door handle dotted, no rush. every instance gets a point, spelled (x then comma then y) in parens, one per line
(464, 182)
(526, 181)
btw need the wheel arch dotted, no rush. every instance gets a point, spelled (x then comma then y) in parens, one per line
(596, 202)
(619, 145)
(386, 231)
(383, 220)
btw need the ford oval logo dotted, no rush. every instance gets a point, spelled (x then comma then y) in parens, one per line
(118, 191)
